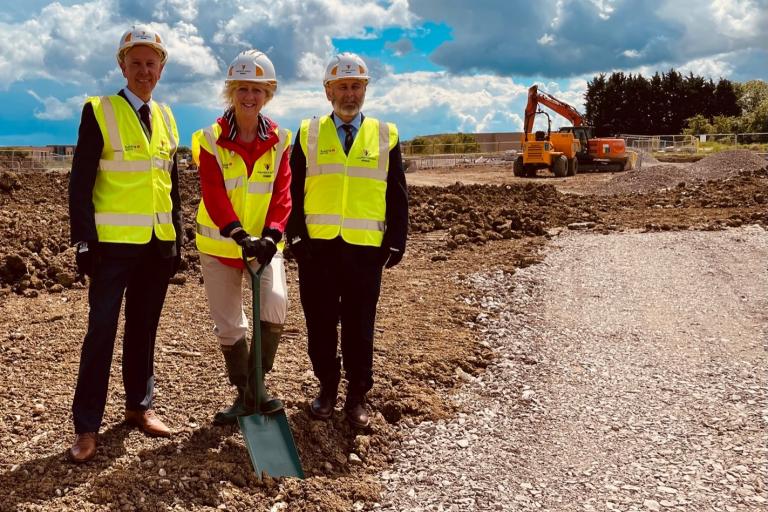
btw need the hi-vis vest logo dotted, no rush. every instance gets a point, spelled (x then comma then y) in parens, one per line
(327, 151)
(366, 156)
(132, 147)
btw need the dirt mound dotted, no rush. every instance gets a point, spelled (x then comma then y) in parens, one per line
(726, 164)
(34, 233)
(478, 213)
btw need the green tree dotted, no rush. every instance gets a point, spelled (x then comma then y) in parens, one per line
(697, 124)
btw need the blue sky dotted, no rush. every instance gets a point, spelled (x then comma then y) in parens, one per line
(438, 65)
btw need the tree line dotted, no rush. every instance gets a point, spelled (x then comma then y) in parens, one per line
(673, 103)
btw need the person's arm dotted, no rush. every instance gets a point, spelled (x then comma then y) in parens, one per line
(297, 227)
(397, 203)
(85, 164)
(280, 204)
(214, 194)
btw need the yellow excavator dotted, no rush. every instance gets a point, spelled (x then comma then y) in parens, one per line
(565, 151)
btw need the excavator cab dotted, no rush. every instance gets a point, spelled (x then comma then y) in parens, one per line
(583, 134)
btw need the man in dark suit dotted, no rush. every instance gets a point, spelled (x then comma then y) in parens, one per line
(349, 221)
(125, 217)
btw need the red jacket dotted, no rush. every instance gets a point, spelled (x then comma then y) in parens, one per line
(215, 194)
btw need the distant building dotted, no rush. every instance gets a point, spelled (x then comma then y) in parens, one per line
(63, 150)
(39, 153)
(498, 142)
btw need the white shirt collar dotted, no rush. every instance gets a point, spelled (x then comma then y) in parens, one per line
(135, 101)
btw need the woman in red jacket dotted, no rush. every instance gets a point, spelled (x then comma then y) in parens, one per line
(245, 183)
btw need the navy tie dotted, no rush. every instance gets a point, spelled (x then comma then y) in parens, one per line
(144, 114)
(348, 139)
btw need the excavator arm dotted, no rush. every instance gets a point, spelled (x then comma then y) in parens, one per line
(535, 97)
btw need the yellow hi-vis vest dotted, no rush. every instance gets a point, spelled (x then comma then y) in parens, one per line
(132, 192)
(250, 197)
(346, 194)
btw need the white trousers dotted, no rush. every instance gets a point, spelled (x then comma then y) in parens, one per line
(223, 287)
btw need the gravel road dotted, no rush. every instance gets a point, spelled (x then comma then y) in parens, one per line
(630, 375)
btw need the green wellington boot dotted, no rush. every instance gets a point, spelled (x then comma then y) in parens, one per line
(236, 358)
(270, 340)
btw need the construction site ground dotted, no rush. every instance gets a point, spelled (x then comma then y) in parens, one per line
(464, 222)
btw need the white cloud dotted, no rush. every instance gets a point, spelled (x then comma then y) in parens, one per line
(632, 54)
(57, 110)
(546, 39)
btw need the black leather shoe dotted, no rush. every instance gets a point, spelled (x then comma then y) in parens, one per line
(322, 406)
(357, 415)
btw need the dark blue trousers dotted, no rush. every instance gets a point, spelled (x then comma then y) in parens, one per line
(143, 280)
(341, 284)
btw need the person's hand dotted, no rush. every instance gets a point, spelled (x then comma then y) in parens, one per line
(390, 256)
(301, 251)
(247, 242)
(87, 257)
(266, 250)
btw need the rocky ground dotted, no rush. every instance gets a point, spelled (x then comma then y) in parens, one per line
(479, 221)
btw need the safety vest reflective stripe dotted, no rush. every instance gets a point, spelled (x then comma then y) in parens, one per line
(334, 220)
(210, 232)
(114, 132)
(355, 172)
(323, 219)
(233, 183)
(135, 165)
(364, 172)
(325, 169)
(211, 138)
(174, 142)
(366, 224)
(282, 141)
(132, 219)
(383, 147)
(260, 187)
(312, 133)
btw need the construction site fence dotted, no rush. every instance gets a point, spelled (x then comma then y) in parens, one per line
(695, 143)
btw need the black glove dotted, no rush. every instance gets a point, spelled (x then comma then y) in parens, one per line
(301, 251)
(263, 249)
(266, 250)
(87, 257)
(247, 242)
(390, 256)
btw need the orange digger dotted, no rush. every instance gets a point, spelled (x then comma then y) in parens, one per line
(571, 148)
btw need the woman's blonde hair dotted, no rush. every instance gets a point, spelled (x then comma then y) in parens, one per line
(228, 93)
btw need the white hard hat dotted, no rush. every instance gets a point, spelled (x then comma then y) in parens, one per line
(141, 35)
(252, 66)
(346, 65)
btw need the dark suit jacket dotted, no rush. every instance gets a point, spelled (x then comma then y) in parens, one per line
(85, 164)
(396, 231)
